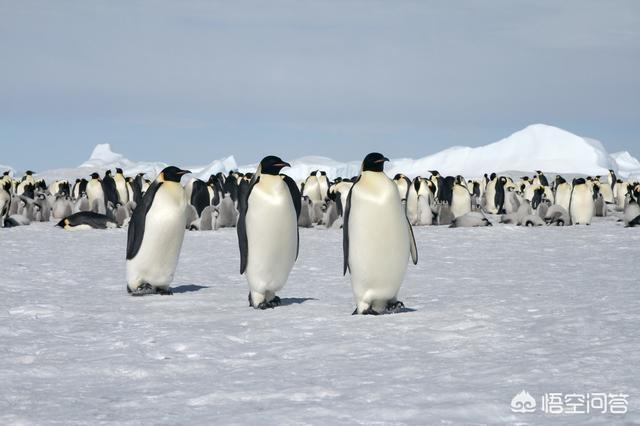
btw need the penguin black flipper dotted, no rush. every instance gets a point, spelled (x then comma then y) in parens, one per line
(345, 229)
(243, 192)
(297, 204)
(412, 244)
(135, 233)
(295, 194)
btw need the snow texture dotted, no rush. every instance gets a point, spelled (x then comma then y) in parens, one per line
(537, 147)
(491, 311)
(628, 165)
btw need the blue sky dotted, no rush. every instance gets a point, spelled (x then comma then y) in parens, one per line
(188, 82)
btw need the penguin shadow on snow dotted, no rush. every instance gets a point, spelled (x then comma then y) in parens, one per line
(187, 288)
(295, 300)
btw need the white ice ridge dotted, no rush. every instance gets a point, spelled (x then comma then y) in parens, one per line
(536, 147)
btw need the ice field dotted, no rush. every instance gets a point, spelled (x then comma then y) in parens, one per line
(491, 312)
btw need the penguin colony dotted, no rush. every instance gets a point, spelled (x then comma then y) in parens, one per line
(267, 208)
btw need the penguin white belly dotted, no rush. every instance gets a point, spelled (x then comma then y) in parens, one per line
(96, 197)
(121, 188)
(425, 213)
(378, 242)
(491, 198)
(563, 196)
(607, 193)
(271, 235)
(156, 260)
(412, 206)
(461, 201)
(312, 190)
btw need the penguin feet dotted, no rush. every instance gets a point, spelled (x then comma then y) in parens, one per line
(143, 290)
(146, 288)
(394, 307)
(266, 305)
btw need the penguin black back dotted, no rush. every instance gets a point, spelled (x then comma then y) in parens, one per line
(109, 188)
(199, 196)
(92, 219)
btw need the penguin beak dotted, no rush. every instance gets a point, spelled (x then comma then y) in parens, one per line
(283, 164)
(183, 172)
(382, 160)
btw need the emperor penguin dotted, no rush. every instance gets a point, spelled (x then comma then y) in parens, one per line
(95, 193)
(268, 231)
(632, 210)
(563, 193)
(612, 179)
(377, 239)
(496, 195)
(5, 201)
(323, 184)
(582, 204)
(557, 215)
(540, 179)
(470, 220)
(75, 192)
(620, 193)
(412, 199)
(312, 188)
(606, 190)
(460, 199)
(305, 220)
(403, 183)
(109, 188)
(62, 207)
(490, 194)
(27, 179)
(121, 187)
(86, 220)
(155, 235)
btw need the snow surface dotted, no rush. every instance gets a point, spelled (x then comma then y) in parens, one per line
(493, 311)
(537, 147)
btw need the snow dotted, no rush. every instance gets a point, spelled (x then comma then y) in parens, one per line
(537, 147)
(628, 165)
(493, 311)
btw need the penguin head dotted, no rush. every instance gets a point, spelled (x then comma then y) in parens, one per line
(374, 162)
(434, 172)
(172, 174)
(107, 173)
(271, 165)
(95, 175)
(119, 170)
(28, 173)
